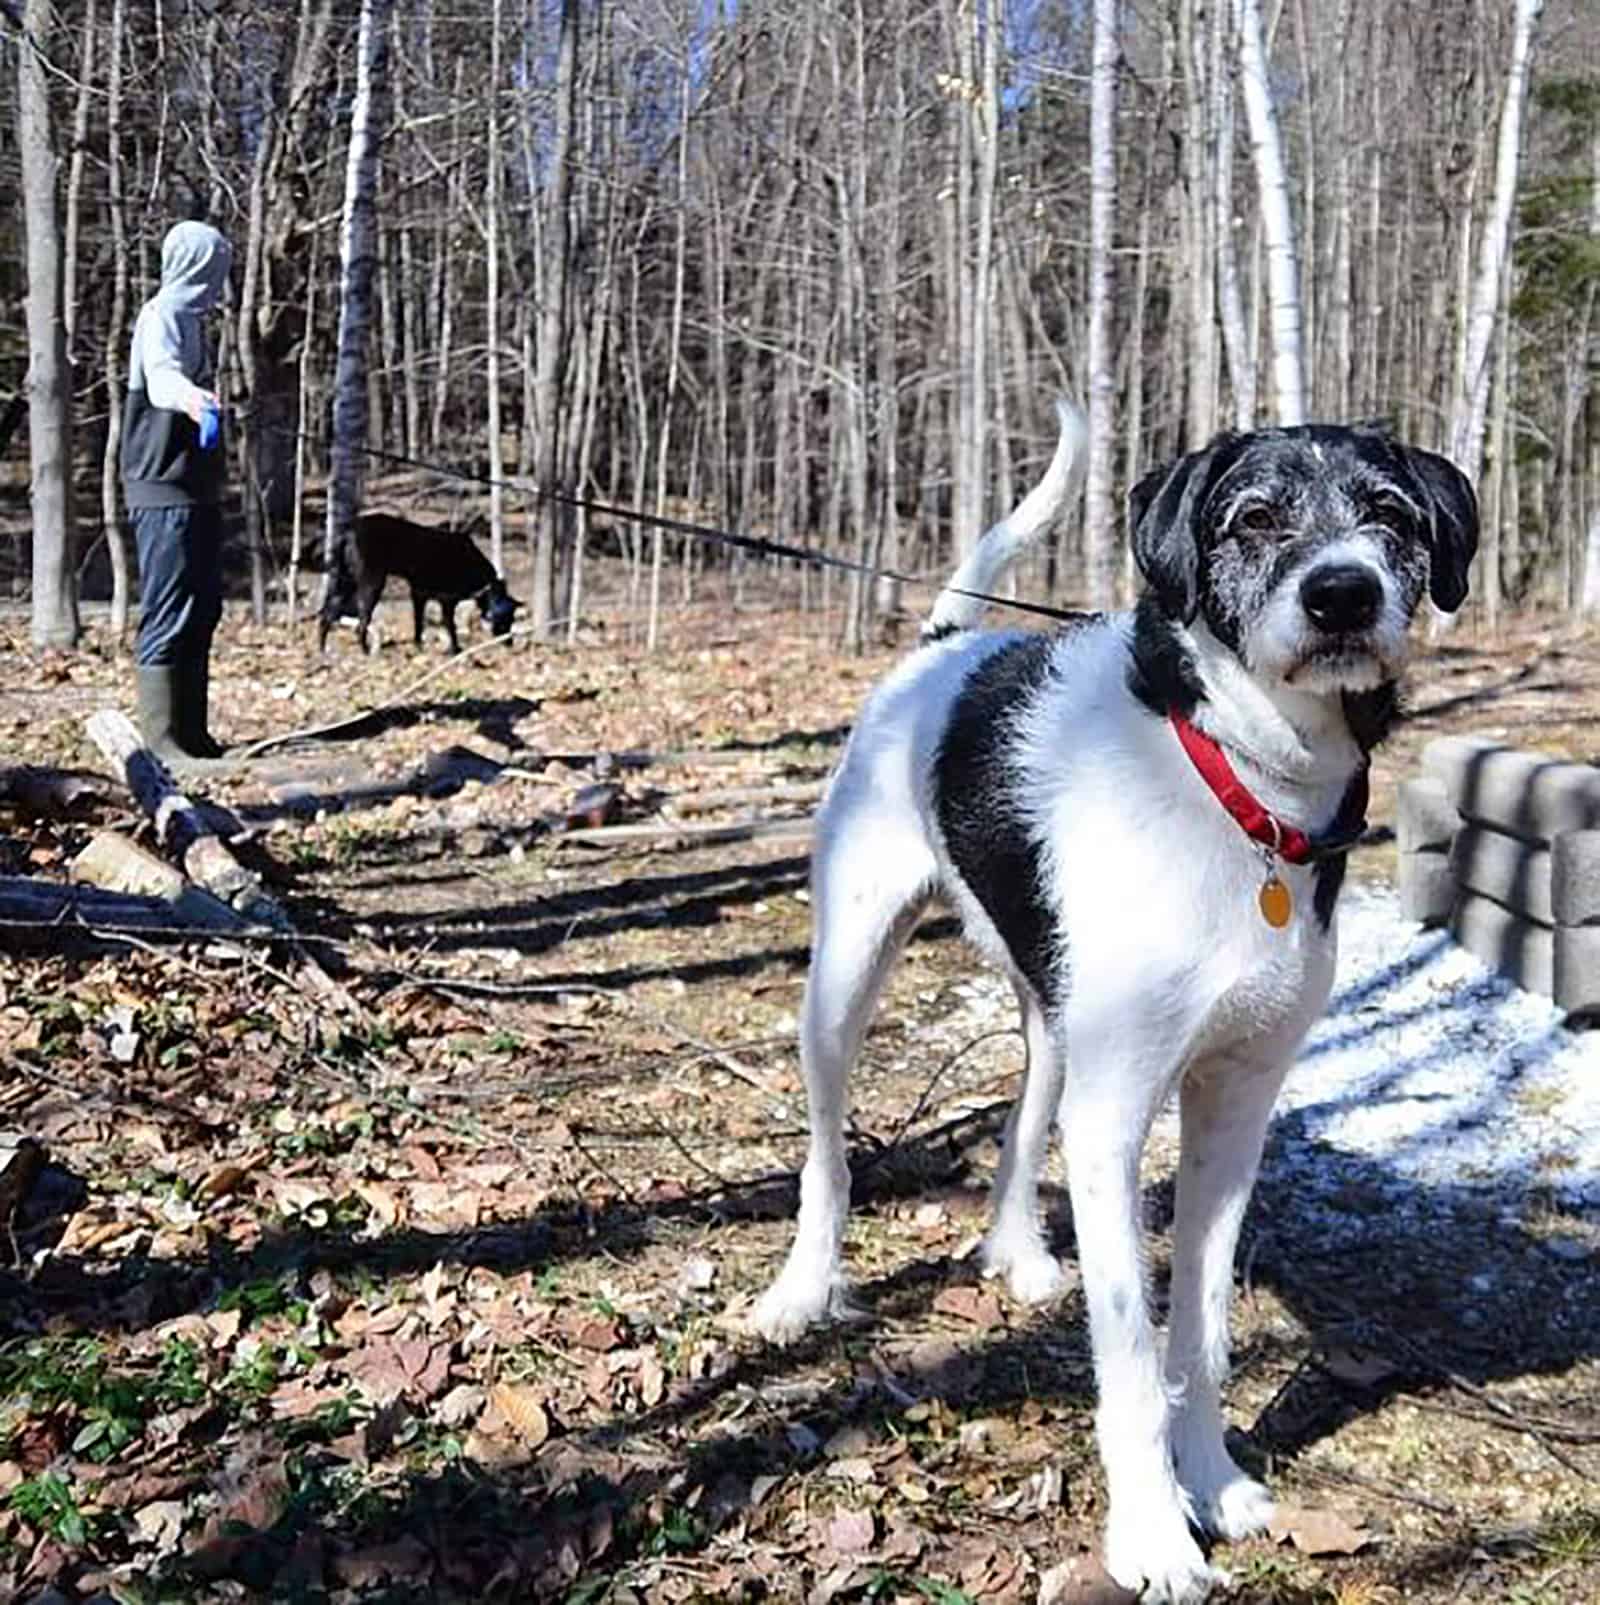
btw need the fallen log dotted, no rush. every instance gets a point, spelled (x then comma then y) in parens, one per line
(36, 907)
(182, 828)
(50, 793)
(186, 830)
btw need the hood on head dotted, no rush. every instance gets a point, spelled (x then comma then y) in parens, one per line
(195, 260)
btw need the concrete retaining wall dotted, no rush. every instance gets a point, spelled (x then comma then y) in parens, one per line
(1503, 847)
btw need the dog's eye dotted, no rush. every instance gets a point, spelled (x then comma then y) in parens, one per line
(1257, 519)
(1392, 512)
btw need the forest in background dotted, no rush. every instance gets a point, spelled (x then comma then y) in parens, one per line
(816, 271)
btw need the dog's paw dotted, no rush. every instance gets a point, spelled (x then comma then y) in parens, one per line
(1157, 1558)
(1237, 1509)
(793, 1304)
(1223, 1499)
(1032, 1274)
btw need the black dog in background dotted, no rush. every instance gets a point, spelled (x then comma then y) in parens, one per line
(438, 564)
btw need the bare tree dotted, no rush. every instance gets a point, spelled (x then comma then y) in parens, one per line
(1472, 385)
(116, 327)
(1277, 218)
(1099, 515)
(1589, 595)
(491, 307)
(357, 257)
(55, 591)
(554, 270)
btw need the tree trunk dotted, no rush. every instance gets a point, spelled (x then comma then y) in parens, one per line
(491, 310)
(116, 332)
(674, 358)
(1277, 218)
(356, 262)
(54, 622)
(555, 269)
(1472, 397)
(1099, 527)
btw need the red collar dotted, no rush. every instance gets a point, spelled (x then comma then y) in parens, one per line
(1289, 842)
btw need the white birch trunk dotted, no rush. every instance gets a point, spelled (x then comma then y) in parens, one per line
(555, 267)
(1099, 515)
(491, 311)
(1472, 398)
(1236, 339)
(1589, 597)
(116, 331)
(1277, 219)
(357, 258)
(55, 590)
(1200, 360)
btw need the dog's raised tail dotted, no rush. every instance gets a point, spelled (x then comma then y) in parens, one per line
(961, 603)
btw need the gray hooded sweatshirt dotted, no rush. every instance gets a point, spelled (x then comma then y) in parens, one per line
(162, 463)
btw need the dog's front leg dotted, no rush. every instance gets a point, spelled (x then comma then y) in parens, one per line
(1119, 1077)
(1225, 1107)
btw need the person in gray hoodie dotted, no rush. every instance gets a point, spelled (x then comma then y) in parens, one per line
(173, 472)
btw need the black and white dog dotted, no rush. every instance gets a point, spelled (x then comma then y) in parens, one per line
(1142, 820)
(442, 565)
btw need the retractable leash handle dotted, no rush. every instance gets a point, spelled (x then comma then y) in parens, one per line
(210, 427)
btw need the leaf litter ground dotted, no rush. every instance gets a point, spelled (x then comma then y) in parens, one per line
(444, 1300)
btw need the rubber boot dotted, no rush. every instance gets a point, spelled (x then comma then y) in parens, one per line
(194, 696)
(157, 686)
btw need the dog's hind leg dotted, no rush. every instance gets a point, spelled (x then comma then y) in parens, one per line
(1224, 1108)
(870, 881)
(1015, 1247)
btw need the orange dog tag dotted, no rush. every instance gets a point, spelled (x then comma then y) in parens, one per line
(1276, 903)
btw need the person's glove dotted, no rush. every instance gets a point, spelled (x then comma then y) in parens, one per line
(210, 427)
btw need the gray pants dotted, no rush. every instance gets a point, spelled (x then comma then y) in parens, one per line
(180, 582)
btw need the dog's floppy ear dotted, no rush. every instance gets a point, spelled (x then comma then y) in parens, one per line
(1452, 525)
(1163, 524)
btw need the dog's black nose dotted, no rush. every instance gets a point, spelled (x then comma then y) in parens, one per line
(1341, 597)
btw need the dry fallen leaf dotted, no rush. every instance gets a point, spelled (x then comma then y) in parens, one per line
(384, 1203)
(1081, 1581)
(975, 1304)
(1317, 1532)
(652, 1382)
(160, 1523)
(851, 1532)
(523, 1411)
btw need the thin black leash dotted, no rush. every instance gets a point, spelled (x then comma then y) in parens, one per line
(756, 544)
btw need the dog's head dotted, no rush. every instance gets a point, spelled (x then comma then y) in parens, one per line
(498, 608)
(1305, 551)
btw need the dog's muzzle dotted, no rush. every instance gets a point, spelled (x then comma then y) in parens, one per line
(1342, 598)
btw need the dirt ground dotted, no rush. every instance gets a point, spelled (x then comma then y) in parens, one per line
(440, 1297)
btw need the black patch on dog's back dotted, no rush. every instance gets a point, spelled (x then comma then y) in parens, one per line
(989, 843)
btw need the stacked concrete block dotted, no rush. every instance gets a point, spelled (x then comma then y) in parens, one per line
(1505, 846)
(1426, 823)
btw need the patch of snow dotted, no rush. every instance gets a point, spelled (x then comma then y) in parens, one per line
(1441, 1071)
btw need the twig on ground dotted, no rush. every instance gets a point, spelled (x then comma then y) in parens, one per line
(1320, 1471)
(949, 1064)
(695, 835)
